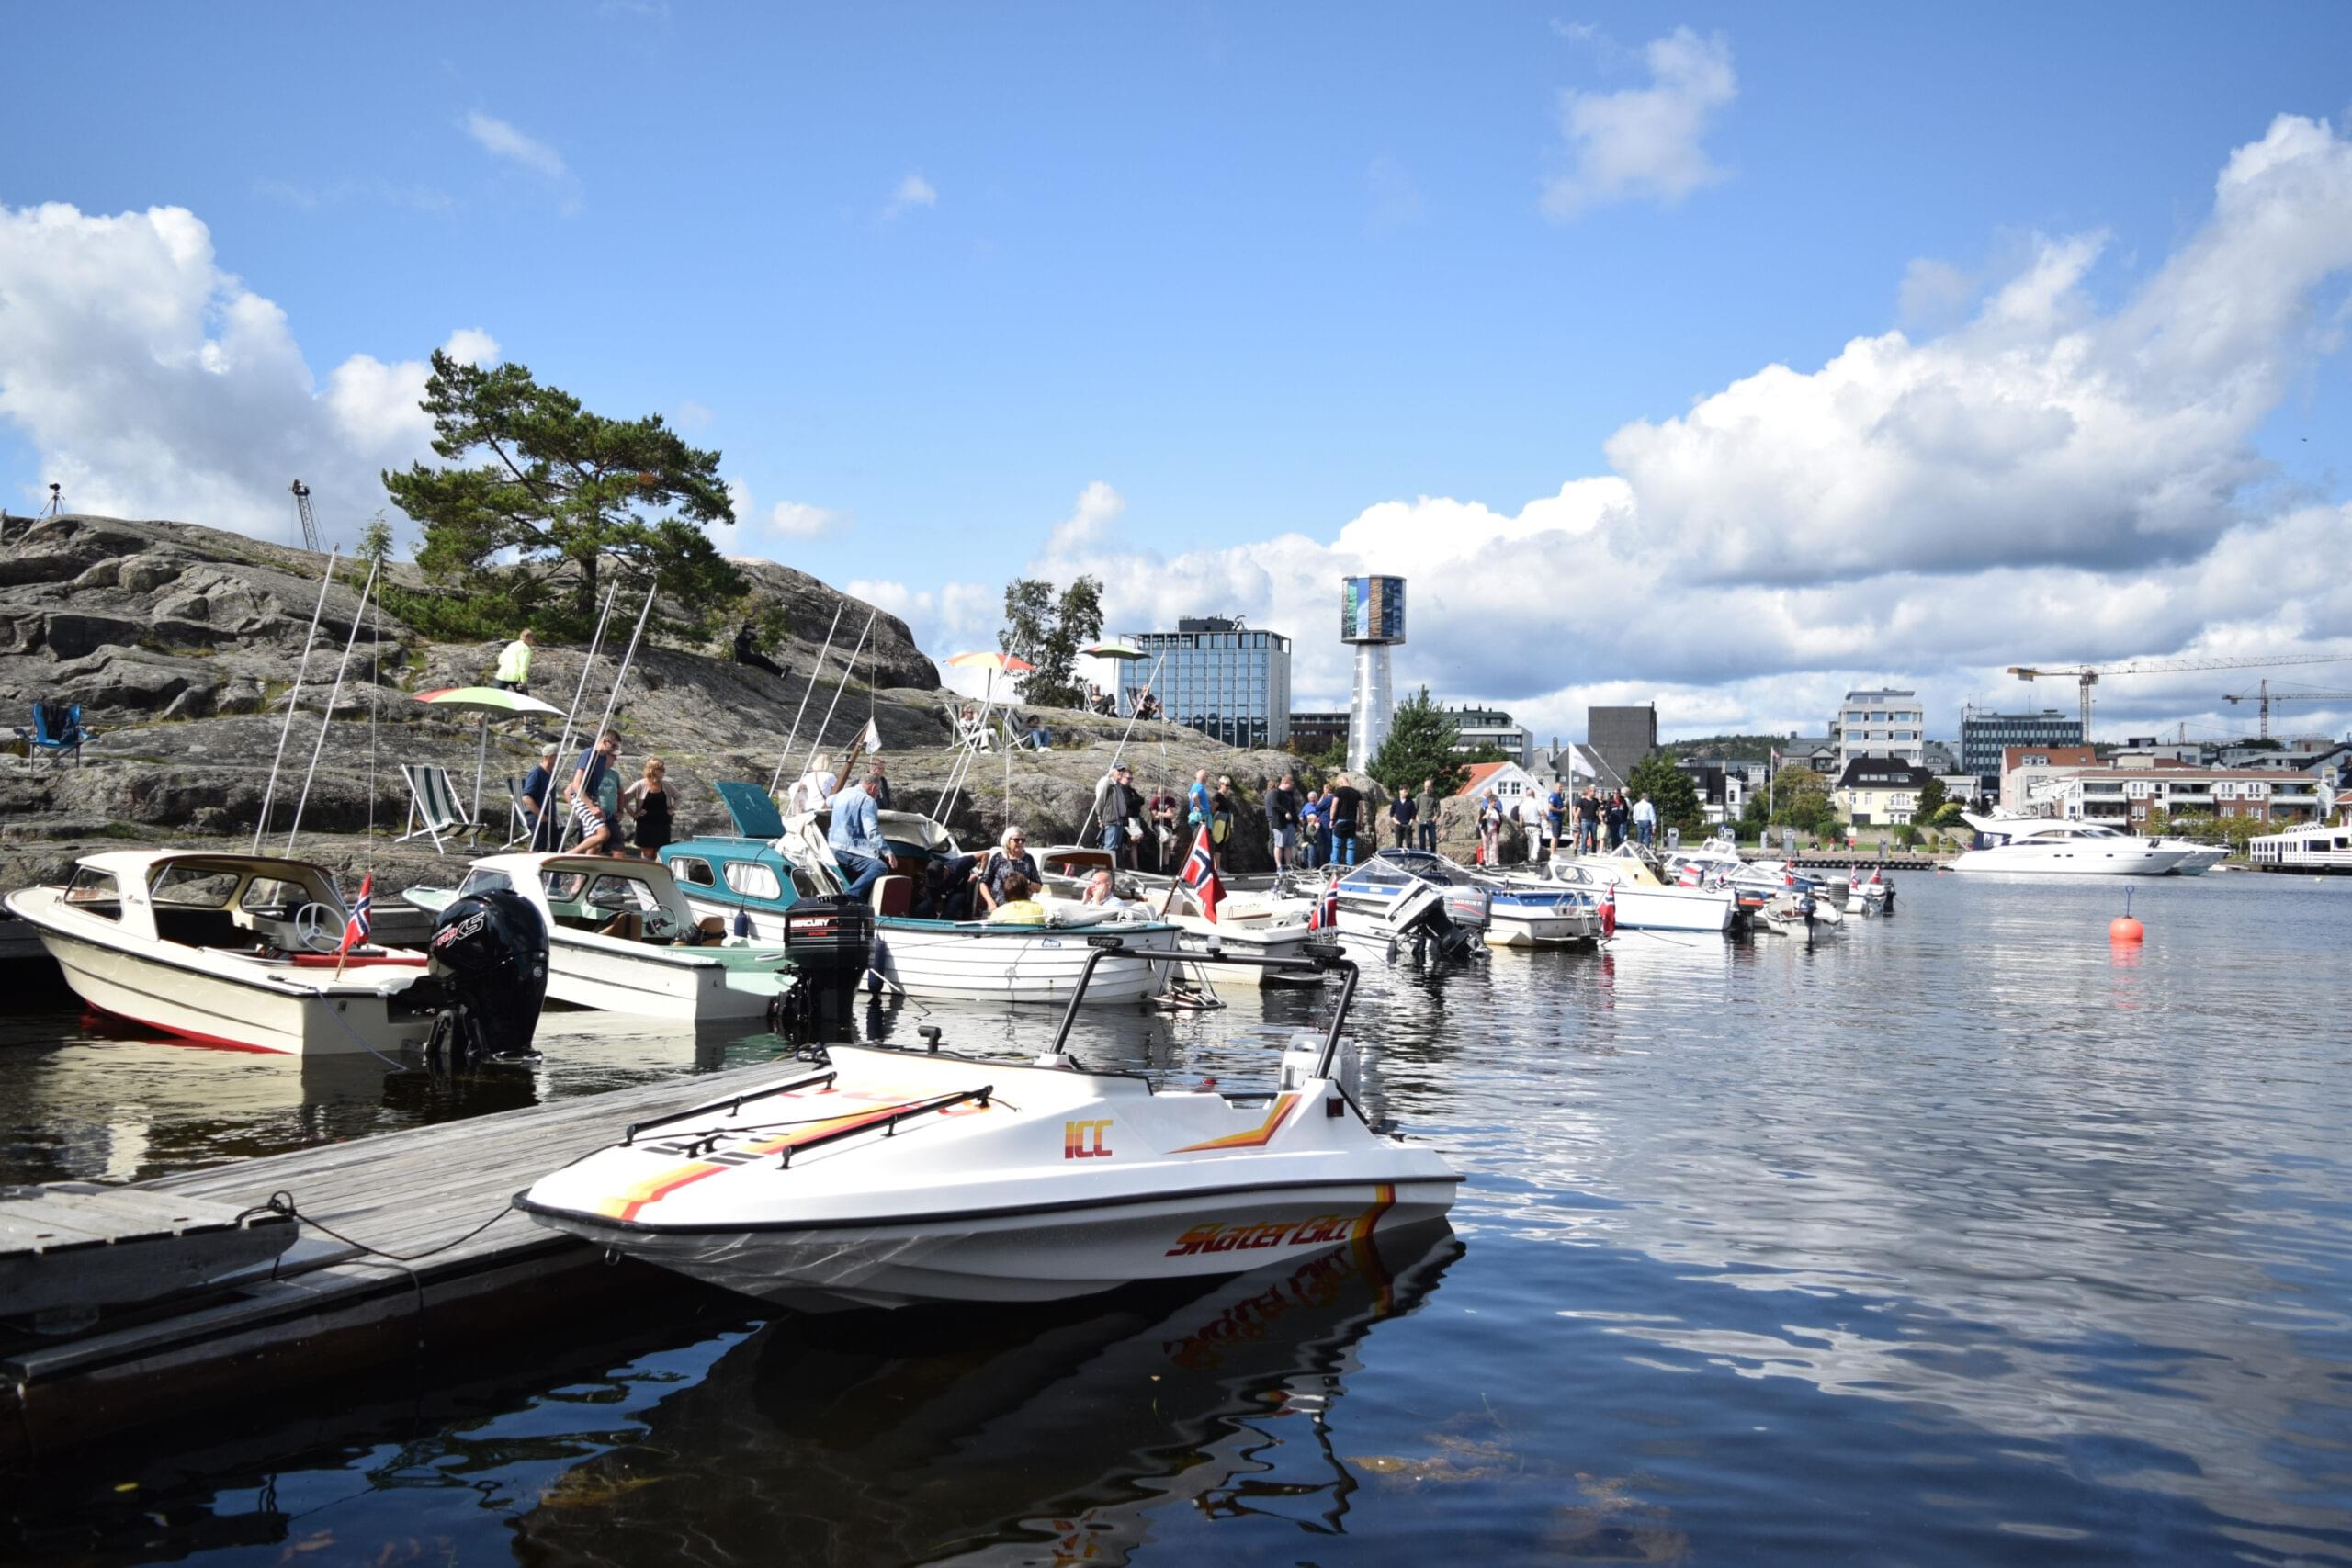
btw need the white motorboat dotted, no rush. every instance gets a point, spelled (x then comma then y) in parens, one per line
(1645, 902)
(873, 1176)
(1251, 923)
(755, 877)
(2056, 847)
(2196, 859)
(1403, 896)
(622, 939)
(228, 950)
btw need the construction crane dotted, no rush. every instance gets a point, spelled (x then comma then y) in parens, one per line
(2087, 677)
(302, 509)
(2265, 696)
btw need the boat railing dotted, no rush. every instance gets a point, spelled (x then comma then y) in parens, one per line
(1316, 958)
(733, 1107)
(888, 1125)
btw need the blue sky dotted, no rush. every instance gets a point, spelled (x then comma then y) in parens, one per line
(926, 276)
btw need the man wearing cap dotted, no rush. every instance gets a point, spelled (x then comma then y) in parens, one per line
(1117, 799)
(534, 797)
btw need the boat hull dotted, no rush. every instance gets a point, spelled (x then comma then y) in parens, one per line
(212, 1010)
(952, 962)
(1029, 1257)
(2037, 861)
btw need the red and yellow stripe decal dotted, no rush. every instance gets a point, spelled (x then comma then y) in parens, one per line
(1257, 1137)
(1367, 1255)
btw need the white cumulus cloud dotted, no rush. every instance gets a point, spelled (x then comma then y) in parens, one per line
(501, 141)
(154, 383)
(1645, 141)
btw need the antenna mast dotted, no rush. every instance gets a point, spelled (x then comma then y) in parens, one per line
(310, 523)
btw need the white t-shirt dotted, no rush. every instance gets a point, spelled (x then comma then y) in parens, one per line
(810, 791)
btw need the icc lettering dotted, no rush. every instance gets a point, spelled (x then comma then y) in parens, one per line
(1084, 1139)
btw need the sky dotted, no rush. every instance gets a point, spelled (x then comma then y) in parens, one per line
(1721, 356)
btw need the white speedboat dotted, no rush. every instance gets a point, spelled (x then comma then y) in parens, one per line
(2055, 847)
(873, 1176)
(229, 950)
(1403, 896)
(1645, 902)
(1251, 923)
(754, 877)
(622, 939)
(2196, 859)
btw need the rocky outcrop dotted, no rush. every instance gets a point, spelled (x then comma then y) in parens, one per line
(182, 645)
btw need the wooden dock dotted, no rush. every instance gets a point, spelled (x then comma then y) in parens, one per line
(330, 1308)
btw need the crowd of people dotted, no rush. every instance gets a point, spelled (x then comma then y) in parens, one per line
(1565, 822)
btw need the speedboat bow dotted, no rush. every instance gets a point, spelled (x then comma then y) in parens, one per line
(874, 1177)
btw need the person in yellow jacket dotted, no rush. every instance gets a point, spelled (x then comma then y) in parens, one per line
(1016, 908)
(515, 664)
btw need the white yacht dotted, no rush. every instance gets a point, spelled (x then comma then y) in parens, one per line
(228, 950)
(2196, 859)
(2054, 847)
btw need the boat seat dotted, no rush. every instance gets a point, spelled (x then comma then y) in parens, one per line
(199, 928)
(894, 894)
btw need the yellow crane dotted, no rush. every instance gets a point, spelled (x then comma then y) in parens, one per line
(2265, 696)
(2087, 677)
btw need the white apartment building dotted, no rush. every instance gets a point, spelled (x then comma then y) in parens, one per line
(1884, 723)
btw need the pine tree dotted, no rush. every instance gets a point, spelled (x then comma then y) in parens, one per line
(1674, 796)
(1421, 738)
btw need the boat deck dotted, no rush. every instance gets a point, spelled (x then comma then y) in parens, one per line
(329, 1306)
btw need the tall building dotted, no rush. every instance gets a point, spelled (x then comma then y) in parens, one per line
(1312, 734)
(1372, 616)
(1883, 723)
(1620, 739)
(1984, 736)
(1492, 727)
(1223, 679)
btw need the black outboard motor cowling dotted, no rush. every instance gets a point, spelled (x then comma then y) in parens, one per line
(490, 950)
(828, 941)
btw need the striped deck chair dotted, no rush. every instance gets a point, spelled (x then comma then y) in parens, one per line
(518, 820)
(434, 809)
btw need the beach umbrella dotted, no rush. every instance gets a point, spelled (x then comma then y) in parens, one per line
(1115, 648)
(991, 661)
(485, 700)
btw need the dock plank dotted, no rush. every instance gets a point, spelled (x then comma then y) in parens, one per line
(405, 1192)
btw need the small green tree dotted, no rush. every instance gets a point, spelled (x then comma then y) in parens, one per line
(2159, 823)
(1330, 759)
(1800, 798)
(1673, 793)
(538, 487)
(376, 540)
(1932, 796)
(1949, 814)
(1421, 738)
(1047, 629)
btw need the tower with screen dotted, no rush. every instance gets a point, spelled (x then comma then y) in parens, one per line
(1372, 616)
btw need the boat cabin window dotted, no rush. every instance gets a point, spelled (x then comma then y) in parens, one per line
(194, 886)
(692, 872)
(622, 893)
(480, 880)
(754, 880)
(95, 893)
(273, 897)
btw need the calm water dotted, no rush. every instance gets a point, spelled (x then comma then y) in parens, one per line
(1963, 1239)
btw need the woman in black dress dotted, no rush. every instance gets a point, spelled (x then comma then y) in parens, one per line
(648, 798)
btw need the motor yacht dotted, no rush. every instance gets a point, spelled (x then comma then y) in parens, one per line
(622, 938)
(228, 950)
(2056, 847)
(876, 1176)
(2196, 859)
(755, 877)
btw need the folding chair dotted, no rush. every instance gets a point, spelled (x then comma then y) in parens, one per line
(519, 821)
(435, 806)
(57, 729)
(971, 734)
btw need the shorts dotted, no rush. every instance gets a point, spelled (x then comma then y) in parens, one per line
(1218, 829)
(588, 818)
(1285, 838)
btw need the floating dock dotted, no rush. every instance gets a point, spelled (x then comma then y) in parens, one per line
(326, 1307)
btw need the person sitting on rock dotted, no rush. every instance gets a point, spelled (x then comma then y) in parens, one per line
(747, 651)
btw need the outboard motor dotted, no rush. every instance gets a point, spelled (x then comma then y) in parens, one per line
(829, 942)
(490, 950)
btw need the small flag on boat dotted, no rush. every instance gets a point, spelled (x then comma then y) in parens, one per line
(1200, 873)
(1325, 915)
(363, 916)
(1609, 909)
(872, 739)
(1691, 875)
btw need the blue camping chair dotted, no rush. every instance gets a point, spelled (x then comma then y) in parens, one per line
(57, 729)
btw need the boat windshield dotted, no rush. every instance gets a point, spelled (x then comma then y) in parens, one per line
(483, 880)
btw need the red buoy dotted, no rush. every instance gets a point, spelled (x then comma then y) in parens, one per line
(2124, 929)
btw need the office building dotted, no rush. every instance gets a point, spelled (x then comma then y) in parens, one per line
(1984, 735)
(1312, 734)
(1228, 680)
(1491, 727)
(1881, 723)
(1620, 739)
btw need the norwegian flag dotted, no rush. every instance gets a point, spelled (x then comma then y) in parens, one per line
(1200, 873)
(1691, 875)
(1325, 915)
(1608, 910)
(363, 916)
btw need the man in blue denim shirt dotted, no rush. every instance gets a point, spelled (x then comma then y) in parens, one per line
(856, 838)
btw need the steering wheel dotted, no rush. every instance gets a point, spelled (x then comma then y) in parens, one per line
(316, 928)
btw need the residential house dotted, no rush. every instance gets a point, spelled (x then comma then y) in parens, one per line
(1880, 791)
